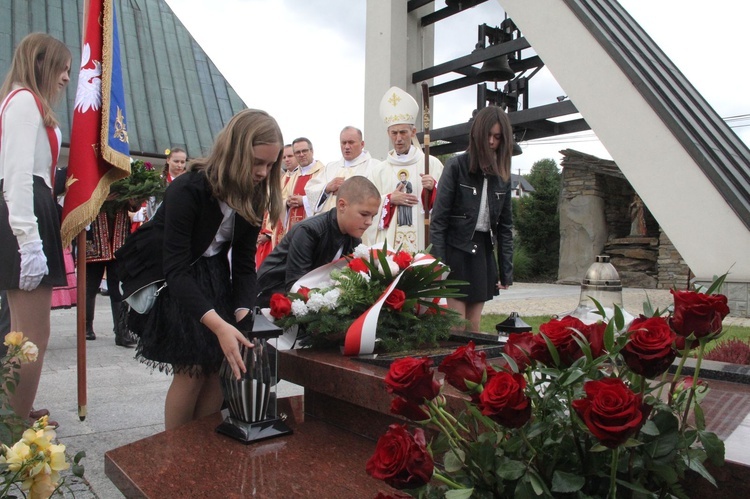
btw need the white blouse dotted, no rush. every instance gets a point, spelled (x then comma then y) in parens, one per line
(24, 152)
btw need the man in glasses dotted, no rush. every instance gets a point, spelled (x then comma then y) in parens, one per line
(297, 204)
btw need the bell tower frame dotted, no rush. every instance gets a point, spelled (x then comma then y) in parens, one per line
(687, 165)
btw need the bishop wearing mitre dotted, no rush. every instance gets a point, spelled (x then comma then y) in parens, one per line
(407, 192)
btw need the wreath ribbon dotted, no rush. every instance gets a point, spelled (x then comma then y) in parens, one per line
(360, 337)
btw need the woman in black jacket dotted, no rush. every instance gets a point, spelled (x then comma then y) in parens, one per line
(472, 214)
(218, 204)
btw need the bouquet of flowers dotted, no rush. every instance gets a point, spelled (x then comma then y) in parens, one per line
(406, 289)
(32, 464)
(584, 411)
(143, 182)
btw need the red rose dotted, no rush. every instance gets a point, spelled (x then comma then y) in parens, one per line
(611, 411)
(686, 383)
(280, 306)
(305, 292)
(504, 400)
(408, 409)
(649, 351)
(401, 460)
(698, 313)
(396, 300)
(412, 379)
(403, 259)
(359, 265)
(518, 348)
(561, 332)
(464, 364)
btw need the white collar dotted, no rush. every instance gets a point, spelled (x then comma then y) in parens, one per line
(359, 159)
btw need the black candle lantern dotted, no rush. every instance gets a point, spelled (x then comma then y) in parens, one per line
(513, 324)
(253, 412)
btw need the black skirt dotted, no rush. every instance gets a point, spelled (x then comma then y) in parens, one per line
(48, 221)
(479, 269)
(170, 339)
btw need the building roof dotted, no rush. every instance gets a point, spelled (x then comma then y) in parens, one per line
(175, 95)
(515, 180)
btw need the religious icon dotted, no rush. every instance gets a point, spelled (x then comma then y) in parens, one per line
(637, 217)
(404, 212)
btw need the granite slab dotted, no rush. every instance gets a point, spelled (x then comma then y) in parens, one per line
(318, 460)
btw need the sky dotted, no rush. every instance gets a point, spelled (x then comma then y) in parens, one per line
(304, 62)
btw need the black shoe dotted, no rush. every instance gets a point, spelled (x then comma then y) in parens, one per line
(126, 339)
(90, 335)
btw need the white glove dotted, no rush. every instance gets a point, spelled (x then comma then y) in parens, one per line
(33, 265)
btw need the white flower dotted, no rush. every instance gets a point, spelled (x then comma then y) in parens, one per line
(392, 266)
(299, 308)
(315, 302)
(29, 352)
(331, 298)
(361, 251)
(365, 276)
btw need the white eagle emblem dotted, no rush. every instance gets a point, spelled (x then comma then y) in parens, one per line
(89, 92)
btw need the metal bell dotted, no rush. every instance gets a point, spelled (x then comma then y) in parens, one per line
(496, 69)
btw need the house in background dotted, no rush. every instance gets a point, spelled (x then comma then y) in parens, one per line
(519, 186)
(175, 95)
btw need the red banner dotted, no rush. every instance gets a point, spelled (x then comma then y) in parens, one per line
(99, 151)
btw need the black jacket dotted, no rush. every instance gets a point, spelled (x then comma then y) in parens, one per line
(311, 243)
(454, 215)
(180, 232)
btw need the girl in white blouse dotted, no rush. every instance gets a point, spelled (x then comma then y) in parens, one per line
(31, 260)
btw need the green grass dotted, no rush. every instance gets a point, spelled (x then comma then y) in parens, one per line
(489, 320)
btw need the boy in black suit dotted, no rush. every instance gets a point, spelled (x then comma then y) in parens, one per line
(320, 239)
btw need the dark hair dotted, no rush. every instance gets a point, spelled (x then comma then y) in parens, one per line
(358, 189)
(303, 139)
(173, 150)
(481, 157)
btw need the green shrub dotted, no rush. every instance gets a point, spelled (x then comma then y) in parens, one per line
(523, 266)
(536, 219)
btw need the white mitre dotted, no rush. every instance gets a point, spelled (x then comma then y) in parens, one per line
(397, 107)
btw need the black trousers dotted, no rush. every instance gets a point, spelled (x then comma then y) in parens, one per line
(94, 274)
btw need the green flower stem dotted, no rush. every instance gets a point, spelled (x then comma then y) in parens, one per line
(701, 351)
(528, 443)
(678, 372)
(442, 414)
(448, 433)
(661, 385)
(450, 483)
(573, 428)
(453, 420)
(613, 473)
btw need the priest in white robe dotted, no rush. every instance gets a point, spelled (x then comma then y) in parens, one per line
(322, 190)
(401, 220)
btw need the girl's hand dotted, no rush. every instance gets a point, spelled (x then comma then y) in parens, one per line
(229, 339)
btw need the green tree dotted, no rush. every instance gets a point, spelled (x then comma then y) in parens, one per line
(536, 219)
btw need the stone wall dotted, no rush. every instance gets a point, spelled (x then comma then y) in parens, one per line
(595, 219)
(673, 271)
(583, 228)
